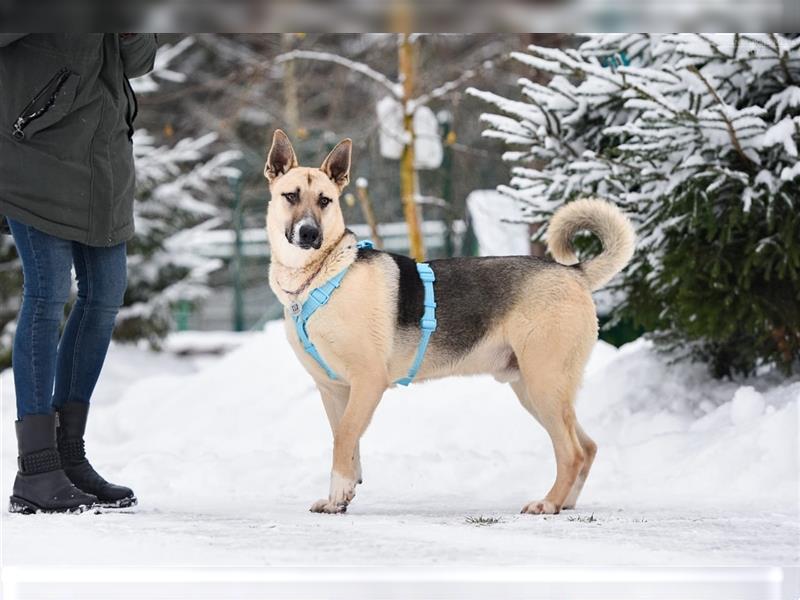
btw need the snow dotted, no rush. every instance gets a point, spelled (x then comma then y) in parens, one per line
(428, 151)
(495, 219)
(782, 133)
(227, 453)
(205, 342)
(747, 406)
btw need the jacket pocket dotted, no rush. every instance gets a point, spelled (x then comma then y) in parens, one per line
(133, 106)
(50, 104)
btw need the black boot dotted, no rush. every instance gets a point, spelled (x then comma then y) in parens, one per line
(41, 484)
(71, 426)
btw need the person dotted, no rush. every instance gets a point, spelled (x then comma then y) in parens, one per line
(66, 191)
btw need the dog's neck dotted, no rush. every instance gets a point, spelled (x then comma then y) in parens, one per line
(293, 284)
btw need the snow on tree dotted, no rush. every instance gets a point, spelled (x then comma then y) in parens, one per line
(177, 188)
(696, 137)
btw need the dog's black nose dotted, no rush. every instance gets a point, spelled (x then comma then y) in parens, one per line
(309, 235)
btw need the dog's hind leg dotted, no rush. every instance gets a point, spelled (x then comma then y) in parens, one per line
(588, 445)
(334, 399)
(548, 384)
(364, 397)
(589, 451)
(549, 505)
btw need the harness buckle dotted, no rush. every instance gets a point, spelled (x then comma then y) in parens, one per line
(426, 273)
(428, 324)
(319, 295)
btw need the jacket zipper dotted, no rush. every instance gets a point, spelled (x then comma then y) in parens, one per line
(30, 113)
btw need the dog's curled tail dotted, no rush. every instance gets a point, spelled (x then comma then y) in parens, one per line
(607, 222)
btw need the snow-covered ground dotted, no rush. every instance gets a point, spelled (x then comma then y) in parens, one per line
(227, 454)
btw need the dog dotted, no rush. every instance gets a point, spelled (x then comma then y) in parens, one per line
(527, 321)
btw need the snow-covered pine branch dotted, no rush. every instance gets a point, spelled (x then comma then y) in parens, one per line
(161, 68)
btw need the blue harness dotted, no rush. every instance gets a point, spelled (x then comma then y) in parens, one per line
(319, 297)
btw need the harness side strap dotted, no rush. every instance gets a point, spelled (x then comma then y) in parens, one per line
(427, 323)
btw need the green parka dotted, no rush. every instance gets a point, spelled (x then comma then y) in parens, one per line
(66, 122)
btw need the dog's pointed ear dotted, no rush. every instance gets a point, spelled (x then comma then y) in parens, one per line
(281, 157)
(337, 164)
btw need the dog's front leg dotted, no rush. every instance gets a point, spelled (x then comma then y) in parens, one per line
(334, 399)
(364, 397)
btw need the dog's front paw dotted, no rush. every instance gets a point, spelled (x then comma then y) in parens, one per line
(326, 506)
(540, 507)
(343, 490)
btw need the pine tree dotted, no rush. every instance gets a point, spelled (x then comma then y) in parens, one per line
(177, 191)
(176, 188)
(696, 137)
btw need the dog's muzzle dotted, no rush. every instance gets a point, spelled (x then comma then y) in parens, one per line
(306, 234)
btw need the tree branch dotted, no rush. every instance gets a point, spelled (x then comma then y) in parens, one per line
(394, 88)
(731, 131)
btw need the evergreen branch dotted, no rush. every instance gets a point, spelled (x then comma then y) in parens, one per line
(782, 58)
(731, 131)
(757, 42)
(714, 45)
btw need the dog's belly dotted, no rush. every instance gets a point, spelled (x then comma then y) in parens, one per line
(491, 357)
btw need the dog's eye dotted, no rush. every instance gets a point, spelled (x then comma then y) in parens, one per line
(324, 201)
(291, 197)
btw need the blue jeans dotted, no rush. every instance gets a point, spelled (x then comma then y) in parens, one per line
(49, 371)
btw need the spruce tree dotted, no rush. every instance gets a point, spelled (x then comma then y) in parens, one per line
(177, 192)
(696, 137)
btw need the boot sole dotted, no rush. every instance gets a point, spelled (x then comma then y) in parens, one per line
(25, 507)
(121, 503)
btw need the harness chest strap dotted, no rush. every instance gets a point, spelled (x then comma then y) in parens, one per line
(320, 296)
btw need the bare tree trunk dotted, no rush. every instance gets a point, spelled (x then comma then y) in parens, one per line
(368, 212)
(291, 109)
(408, 180)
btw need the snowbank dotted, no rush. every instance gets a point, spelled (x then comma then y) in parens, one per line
(227, 454)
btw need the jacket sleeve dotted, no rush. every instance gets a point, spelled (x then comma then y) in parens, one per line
(9, 38)
(138, 52)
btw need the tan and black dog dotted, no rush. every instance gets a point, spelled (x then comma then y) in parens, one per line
(527, 321)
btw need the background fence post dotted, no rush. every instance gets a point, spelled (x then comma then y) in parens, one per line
(236, 263)
(448, 138)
